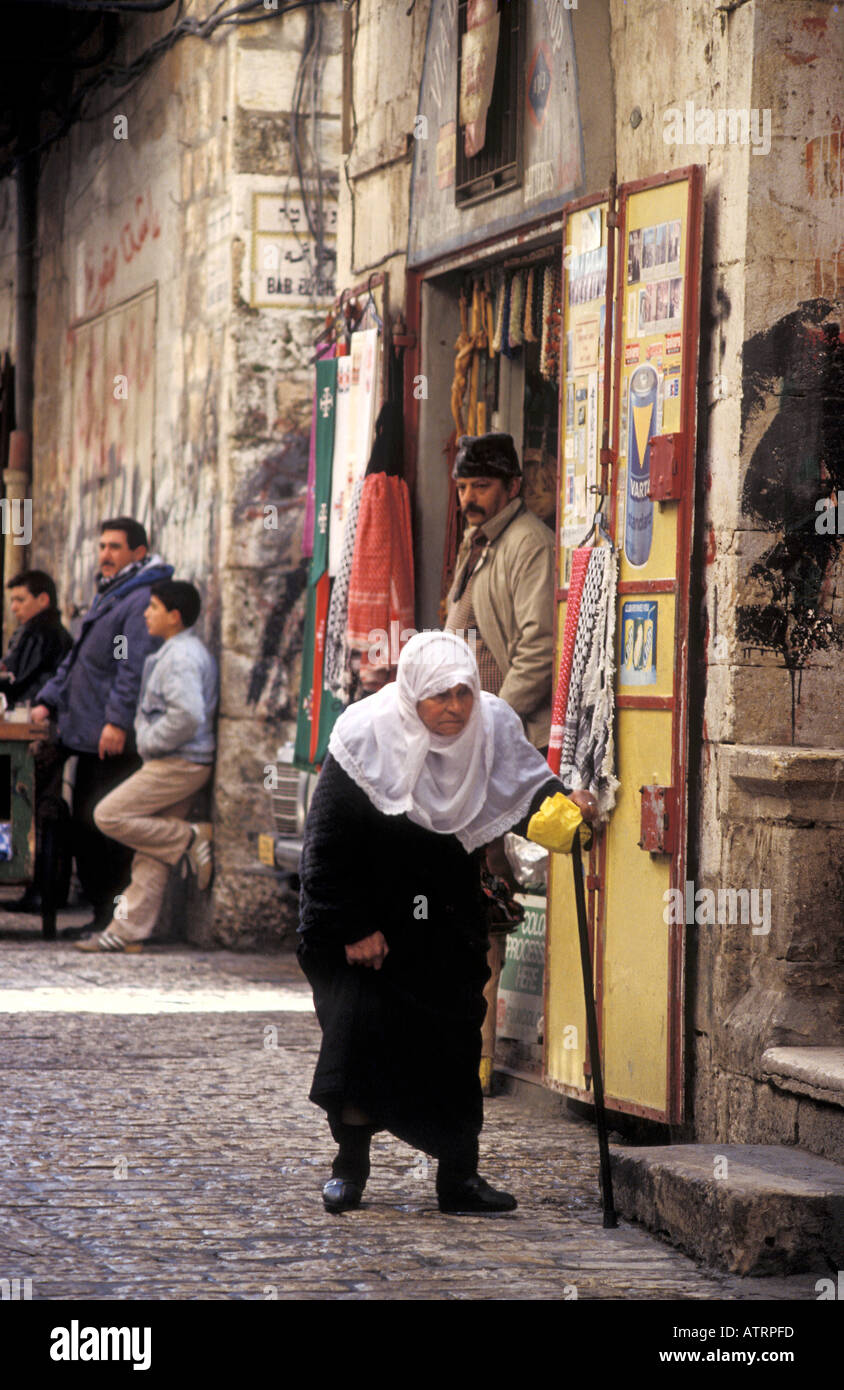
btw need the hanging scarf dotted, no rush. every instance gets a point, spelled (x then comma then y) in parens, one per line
(588, 752)
(317, 708)
(579, 565)
(381, 581)
(105, 585)
(475, 784)
(336, 650)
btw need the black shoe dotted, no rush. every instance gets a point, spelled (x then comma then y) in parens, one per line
(475, 1195)
(339, 1195)
(29, 902)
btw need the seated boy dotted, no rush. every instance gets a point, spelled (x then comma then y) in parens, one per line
(174, 731)
(39, 643)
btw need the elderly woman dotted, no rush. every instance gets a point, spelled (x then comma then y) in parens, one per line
(418, 778)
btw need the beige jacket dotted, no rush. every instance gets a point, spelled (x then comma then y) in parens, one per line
(513, 600)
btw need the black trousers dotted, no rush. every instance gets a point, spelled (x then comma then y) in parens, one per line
(103, 866)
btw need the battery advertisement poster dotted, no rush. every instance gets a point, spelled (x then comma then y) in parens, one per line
(638, 642)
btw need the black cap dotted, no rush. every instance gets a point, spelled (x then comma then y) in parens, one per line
(486, 456)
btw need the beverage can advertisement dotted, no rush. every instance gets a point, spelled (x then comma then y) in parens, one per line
(641, 425)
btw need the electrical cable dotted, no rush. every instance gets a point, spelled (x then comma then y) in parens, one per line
(125, 75)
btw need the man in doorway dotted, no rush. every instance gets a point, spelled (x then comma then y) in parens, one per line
(93, 696)
(503, 585)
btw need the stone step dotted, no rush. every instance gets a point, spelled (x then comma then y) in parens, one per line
(747, 1208)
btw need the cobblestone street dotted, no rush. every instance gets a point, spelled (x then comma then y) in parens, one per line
(158, 1144)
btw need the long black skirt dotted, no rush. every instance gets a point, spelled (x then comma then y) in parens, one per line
(403, 1043)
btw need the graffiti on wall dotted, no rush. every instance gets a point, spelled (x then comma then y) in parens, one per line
(274, 491)
(793, 399)
(112, 420)
(819, 231)
(99, 268)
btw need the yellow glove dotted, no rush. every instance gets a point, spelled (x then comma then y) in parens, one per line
(553, 826)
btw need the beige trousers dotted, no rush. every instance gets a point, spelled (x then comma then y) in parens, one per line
(147, 813)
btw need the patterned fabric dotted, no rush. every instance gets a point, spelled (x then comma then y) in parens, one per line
(461, 619)
(381, 581)
(105, 585)
(317, 707)
(588, 761)
(327, 350)
(579, 564)
(582, 647)
(336, 650)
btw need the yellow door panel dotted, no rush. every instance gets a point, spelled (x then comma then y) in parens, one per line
(647, 499)
(635, 970)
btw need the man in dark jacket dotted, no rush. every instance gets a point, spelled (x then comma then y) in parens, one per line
(93, 697)
(39, 642)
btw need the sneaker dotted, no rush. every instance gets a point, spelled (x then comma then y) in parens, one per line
(109, 941)
(199, 855)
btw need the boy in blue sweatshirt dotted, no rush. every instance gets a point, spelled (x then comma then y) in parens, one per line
(174, 731)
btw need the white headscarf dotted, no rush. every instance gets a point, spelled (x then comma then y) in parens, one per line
(475, 784)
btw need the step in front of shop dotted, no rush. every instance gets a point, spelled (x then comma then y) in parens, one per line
(746, 1208)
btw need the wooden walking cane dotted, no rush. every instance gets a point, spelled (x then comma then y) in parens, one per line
(610, 1218)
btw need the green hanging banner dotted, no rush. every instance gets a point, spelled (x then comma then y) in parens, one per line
(326, 393)
(318, 708)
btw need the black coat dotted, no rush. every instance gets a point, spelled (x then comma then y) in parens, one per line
(36, 650)
(401, 1043)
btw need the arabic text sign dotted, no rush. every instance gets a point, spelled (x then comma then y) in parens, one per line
(284, 254)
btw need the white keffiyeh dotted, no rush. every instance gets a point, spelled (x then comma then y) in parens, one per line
(475, 784)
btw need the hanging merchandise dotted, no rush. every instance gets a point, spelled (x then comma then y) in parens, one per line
(551, 318)
(498, 336)
(478, 58)
(317, 707)
(381, 604)
(386, 457)
(480, 342)
(515, 336)
(579, 564)
(324, 349)
(310, 489)
(336, 650)
(584, 748)
(530, 291)
(463, 355)
(341, 447)
(505, 319)
(357, 391)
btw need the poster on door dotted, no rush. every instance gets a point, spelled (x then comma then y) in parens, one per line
(582, 387)
(638, 629)
(651, 311)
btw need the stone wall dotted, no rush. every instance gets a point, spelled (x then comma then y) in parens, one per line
(769, 395)
(771, 813)
(262, 571)
(383, 97)
(164, 391)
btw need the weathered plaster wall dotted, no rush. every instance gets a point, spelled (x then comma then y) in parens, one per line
(262, 571)
(213, 427)
(773, 604)
(767, 586)
(388, 51)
